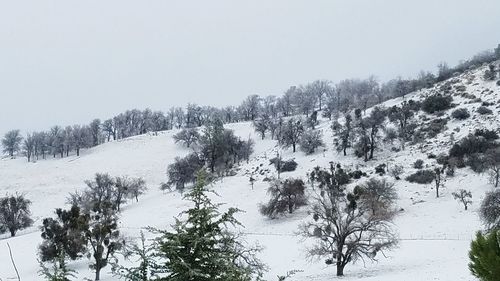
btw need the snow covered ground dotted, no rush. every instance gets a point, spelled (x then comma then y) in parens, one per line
(435, 232)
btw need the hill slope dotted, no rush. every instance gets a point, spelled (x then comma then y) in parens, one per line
(435, 232)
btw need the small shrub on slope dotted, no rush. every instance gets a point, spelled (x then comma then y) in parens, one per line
(421, 177)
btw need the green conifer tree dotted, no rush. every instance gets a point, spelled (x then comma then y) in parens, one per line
(485, 256)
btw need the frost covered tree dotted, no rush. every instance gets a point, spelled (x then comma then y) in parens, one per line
(29, 146)
(375, 122)
(286, 196)
(15, 213)
(102, 235)
(262, 126)
(377, 195)
(489, 211)
(291, 132)
(11, 142)
(141, 253)
(463, 196)
(183, 171)
(187, 136)
(402, 116)
(493, 164)
(346, 230)
(311, 140)
(250, 107)
(202, 246)
(438, 178)
(81, 138)
(95, 131)
(344, 133)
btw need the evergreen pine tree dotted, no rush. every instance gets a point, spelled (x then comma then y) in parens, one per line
(202, 248)
(485, 256)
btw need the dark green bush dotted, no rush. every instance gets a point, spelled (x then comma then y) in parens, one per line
(421, 177)
(436, 103)
(487, 134)
(419, 164)
(483, 110)
(460, 114)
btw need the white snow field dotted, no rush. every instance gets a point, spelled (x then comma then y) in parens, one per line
(435, 232)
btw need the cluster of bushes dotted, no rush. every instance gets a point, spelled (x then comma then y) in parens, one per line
(483, 110)
(283, 166)
(219, 150)
(460, 113)
(436, 103)
(421, 177)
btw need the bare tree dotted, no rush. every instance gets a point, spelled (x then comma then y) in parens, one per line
(291, 132)
(438, 179)
(463, 196)
(346, 231)
(29, 146)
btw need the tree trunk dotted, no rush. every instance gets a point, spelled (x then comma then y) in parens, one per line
(340, 268)
(293, 147)
(12, 232)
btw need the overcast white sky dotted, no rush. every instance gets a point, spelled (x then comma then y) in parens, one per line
(66, 62)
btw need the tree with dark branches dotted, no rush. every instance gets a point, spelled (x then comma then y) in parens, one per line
(346, 230)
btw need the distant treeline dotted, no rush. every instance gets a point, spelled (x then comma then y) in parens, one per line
(321, 95)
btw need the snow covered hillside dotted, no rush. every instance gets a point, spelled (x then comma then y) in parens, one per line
(435, 233)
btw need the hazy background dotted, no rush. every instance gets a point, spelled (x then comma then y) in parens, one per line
(66, 62)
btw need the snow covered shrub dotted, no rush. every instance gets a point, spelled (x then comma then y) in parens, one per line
(357, 174)
(470, 145)
(487, 134)
(490, 74)
(286, 196)
(396, 171)
(483, 110)
(434, 127)
(436, 103)
(421, 177)
(419, 164)
(485, 256)
(284, 165)
(15, 213)
(310, 141)
(460, 113)
(380, 169)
